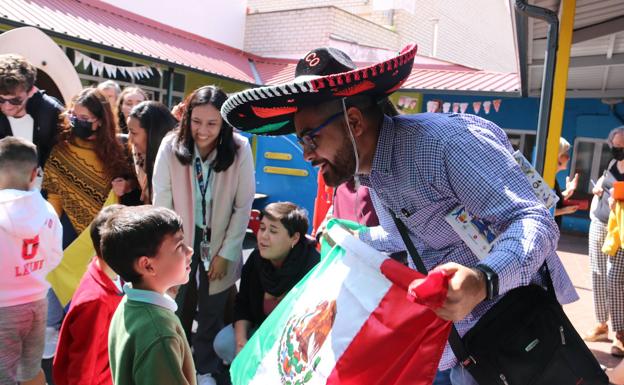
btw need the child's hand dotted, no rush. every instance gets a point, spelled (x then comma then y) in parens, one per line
(218, 268)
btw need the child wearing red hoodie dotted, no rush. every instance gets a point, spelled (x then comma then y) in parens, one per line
(82, 351)
(30, 247)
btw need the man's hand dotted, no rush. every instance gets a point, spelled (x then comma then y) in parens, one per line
(466, 290)
(218, 268)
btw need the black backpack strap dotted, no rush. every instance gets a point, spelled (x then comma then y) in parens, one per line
(454, 339)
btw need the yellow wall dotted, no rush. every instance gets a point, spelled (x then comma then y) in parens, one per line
(407, 102)
(195, 80)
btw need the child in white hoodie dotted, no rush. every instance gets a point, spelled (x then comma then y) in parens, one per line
(30, 247)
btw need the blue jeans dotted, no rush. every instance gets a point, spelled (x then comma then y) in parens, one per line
(443, 377)
(55, 311)
(460, 376)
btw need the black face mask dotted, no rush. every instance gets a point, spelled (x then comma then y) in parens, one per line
(82, 129)
(618, 153)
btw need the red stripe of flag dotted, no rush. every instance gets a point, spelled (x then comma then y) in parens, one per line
(408, 339)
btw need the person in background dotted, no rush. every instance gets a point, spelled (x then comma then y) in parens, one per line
(146, 343)
(148, 123)
(82, 354)
(205, 172)
(284, 255)
(26, 111)
(562, 164)
(30, 247)
(607, 272)
(111, 90)
(129, 97)
(79, 177)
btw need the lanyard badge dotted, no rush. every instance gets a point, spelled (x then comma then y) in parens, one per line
(204, 245)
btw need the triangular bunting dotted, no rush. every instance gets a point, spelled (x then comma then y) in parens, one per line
(446, 107)
(77, 58)
(455, 108)
(476, 106)
(486, 106)
(496, 103)
(463, 107)
(432, 106)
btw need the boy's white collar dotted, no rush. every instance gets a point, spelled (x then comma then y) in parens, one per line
(151, 297)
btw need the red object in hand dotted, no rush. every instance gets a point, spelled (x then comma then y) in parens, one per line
(425, 291)
(583, 204)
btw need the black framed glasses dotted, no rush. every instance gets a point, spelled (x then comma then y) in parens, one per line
(307, 140)
(17, 101)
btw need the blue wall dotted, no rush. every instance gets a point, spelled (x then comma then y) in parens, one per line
(297, 189)
(582, 118)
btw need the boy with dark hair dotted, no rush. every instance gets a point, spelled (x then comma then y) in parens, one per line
(30, 247)
(147, 345)
(82, 353)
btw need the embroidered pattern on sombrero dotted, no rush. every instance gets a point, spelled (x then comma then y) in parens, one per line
(270, 112)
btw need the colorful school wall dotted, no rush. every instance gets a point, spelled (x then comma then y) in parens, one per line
(586, 125)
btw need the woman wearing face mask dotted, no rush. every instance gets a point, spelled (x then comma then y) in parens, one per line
(79, 174)
(284, 255)
(205, 173)
(129, 97)
(148, 123)
(607, 272)
(85, 161)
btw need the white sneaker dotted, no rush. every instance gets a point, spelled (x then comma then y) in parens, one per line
(205, 379)
(51, 340)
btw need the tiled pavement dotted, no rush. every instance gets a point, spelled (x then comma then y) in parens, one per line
(573, 253)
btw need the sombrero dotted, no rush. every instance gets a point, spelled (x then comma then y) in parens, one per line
(324, 74)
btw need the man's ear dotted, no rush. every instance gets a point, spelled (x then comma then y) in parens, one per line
(356, 121)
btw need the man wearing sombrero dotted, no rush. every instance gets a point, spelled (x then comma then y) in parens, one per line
(420, 167)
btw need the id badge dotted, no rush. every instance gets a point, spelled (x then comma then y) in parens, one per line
(204, 250)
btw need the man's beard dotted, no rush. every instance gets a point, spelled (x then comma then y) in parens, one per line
(342, 168)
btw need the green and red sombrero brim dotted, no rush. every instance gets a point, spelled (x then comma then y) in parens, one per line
(270, 110)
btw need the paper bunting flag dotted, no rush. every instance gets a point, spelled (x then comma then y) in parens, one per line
(486, 106)
(476, 106)
(77, 59)
(446, 107)
(463, 107)
(432, 106)
(98, 68)
(496, 103)
(455, 108)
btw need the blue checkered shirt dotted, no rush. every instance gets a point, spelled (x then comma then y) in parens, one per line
(425, 165)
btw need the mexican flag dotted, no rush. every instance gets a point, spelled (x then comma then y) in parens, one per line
(349, 321)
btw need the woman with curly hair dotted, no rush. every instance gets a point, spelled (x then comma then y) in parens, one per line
(80, 172)
(84, 163)
(129, 97)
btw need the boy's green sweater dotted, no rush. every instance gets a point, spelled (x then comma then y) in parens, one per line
(147, 345)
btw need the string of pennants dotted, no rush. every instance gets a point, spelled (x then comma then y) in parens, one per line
(98, 68)
(462, 107)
